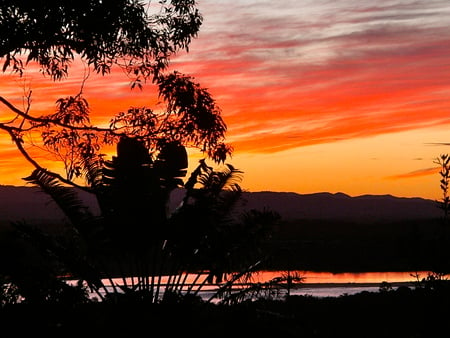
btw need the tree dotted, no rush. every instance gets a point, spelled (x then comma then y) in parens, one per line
(444, 163)
(440, 246)
(205, 236)
(134, 230)
(138, 38)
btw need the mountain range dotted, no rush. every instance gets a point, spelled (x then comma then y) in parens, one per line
(342, 207)
(29, 203)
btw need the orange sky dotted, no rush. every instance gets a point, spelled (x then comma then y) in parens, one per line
(339, 96)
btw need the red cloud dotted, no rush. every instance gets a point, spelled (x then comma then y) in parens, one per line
(300, 75)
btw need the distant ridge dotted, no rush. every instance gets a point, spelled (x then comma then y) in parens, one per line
(339, 206)
(29, 203)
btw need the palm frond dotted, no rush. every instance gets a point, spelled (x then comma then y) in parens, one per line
(171, 164)
(216, 181)
(66, 198)
(92, 170)
(69, 259)
(197, 175)
(231, 177)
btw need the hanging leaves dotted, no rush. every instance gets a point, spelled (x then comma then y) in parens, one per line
(103, 33)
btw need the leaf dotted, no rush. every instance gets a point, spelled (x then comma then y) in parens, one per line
(7, 62)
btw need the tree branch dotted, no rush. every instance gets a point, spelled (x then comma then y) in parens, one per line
(55, 122)
(18, 141)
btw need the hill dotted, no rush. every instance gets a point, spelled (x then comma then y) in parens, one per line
(29, 203)
(321, 231)
(342, 207)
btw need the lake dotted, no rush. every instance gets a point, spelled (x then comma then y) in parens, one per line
(329, 284)
(318, 284)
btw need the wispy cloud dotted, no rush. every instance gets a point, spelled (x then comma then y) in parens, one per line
(292, 73)
(415, 173)
(349, 68)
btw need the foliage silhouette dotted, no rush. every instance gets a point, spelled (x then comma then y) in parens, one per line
(444, 163)
(134, 235)
(441, 254)
(137, 37)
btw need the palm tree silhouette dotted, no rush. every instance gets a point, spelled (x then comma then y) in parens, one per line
(136, 236)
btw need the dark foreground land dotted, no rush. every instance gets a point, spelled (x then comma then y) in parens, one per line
(403, 312)
(414, 312)
(420, 311)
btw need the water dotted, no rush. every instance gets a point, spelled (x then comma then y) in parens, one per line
(333, 291)
(318, 284)
(328, 284)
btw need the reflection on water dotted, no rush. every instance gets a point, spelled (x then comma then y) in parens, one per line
(318, 284)
(328, 284)
(332, 291)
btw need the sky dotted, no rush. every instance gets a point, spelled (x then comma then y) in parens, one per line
(335, 96)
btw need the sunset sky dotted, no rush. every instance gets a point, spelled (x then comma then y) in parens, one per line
(319, 95)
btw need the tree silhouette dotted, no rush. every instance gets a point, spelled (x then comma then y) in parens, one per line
(444, 163)
(206, 236)
(135, 234)
(136, 37)
(440, 246)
